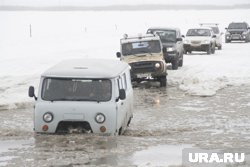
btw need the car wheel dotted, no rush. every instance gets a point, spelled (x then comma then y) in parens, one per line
(213, 50)
(220, 47)
(175, 64)
(227, 41)
(130, 118)
(209, 50)
(181, 62)
(163, 81)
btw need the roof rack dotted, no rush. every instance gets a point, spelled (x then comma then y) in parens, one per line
(201, 24)
(139, 36)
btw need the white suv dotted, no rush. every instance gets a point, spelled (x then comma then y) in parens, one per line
(200, 39)
(216, 30)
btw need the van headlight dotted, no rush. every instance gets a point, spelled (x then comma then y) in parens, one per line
(206, 42)
(100, 118)
(157, 65)
(48, 117)
(171, 49)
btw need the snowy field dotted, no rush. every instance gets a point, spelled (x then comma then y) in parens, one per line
(166, 120)
(64, 35)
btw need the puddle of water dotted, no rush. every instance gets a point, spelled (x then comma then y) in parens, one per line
(4, 160)
(11, 146)
(162, 155)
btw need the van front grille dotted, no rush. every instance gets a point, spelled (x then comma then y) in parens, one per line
(143, 67)
(73, 127)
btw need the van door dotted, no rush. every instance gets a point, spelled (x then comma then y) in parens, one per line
(121, 105)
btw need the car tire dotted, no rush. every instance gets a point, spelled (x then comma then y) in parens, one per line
(209, 50)
(163, 81)
(227, 41)
(175, 64)
(181, 61)
(220, 47)
(213, 50)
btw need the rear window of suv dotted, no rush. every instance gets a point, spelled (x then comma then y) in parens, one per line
(215, 30)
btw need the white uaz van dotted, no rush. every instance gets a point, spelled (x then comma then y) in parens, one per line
(93, 96)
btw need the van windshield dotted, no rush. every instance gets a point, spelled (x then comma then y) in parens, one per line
(65, 89)
(141, 47)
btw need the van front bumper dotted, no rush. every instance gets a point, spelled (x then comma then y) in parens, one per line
(147, 68)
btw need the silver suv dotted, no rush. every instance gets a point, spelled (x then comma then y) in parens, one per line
(217, 33)
(200, 39)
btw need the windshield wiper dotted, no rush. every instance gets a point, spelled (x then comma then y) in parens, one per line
(96, 100)
(73, 99)
(61, 99)
(143, 51)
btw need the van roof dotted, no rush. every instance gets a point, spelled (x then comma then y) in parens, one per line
(164, 28)
(140, 37)
(86, 68)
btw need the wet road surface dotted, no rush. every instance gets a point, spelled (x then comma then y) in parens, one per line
(166, 120)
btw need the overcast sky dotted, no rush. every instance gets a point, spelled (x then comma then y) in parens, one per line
(117, 2)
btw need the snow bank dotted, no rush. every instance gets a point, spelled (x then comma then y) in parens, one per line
(65, 35)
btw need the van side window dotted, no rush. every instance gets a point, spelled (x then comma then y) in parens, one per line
(119, 83)
(124, 80)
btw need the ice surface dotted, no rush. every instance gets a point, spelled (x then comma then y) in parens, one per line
(10, 145)
(64, 35)
(162, 155)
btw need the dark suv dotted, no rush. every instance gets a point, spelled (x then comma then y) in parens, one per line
(239, 31)
(171, 40)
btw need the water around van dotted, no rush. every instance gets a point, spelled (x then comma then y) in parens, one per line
(205, 105)
(166, 120)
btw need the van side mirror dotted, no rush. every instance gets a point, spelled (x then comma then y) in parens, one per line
(32, 92)
(122, 94)
(118, 54)
(164, 50)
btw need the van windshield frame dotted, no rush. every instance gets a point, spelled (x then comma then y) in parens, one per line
(76, 89)
(141, 47)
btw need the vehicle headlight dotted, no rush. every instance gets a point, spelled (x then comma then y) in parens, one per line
(206, 42)
(186, 41)
(48, 117)
(157, 65)
(100, 118)
(171, 49)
